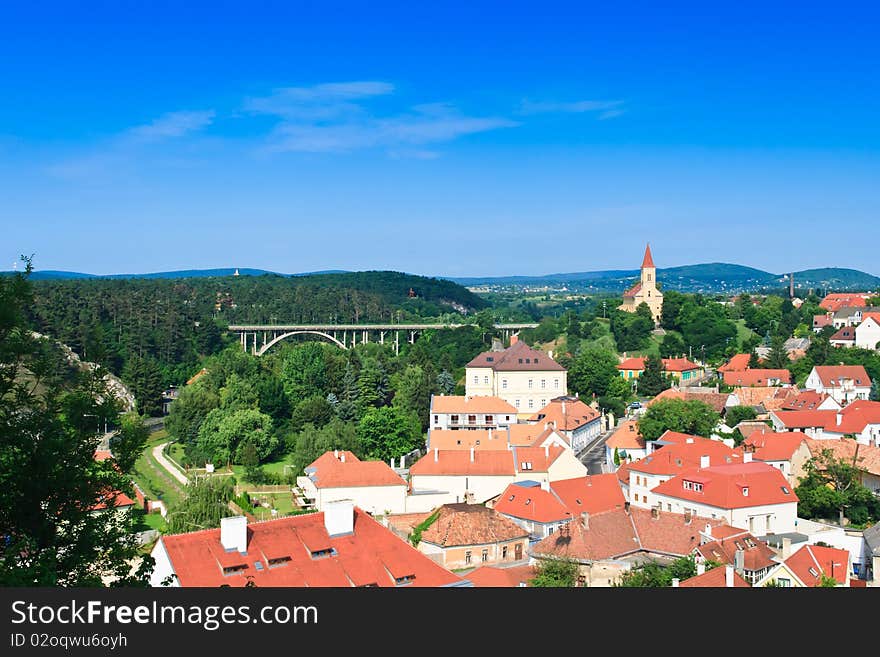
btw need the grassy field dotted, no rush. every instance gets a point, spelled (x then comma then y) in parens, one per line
(152, 478)
(743, 332)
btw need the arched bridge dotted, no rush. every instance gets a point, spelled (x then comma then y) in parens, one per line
(259, 338)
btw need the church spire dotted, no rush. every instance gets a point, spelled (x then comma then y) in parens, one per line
(648, 261)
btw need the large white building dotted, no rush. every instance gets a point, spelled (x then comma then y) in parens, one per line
(524, 377)
(845, 383)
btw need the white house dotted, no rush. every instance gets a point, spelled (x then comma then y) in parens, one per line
(806, 567)
(463, 412)
(845, 383)
(569, 415)
(868, 332)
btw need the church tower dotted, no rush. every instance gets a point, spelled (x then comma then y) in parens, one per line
(645, 291)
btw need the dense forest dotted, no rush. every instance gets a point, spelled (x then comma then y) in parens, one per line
(154, 332)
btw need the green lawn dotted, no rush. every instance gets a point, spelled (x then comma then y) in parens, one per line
(144, 521)
(743, 332)
(152, 478)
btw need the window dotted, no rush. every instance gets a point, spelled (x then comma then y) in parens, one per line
(231, 570)
(486, 380)
(530, 384)
(504, 552)
(504, 383)
(556, 383)
(406, 579)
(543, 383)
(489, 359)
(543, 402)
(528, 360)
(669, 507)
(436, 419)
(485, 555)
(516, 403)
(476, 379)
(489, 419)
(531, 403)
(551, 530)
(582, 580)
(783, 581)
(278, 561)
(467, 556)
(453, 419)
(258, 565)
(472, 419)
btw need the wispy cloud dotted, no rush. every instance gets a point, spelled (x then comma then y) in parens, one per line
(334, 118)
(607, 109)
(172, 124)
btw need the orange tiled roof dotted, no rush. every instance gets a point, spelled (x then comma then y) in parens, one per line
(806, 419)
(820, 559)
(474, 404)
(486, 463)
(371, 554)
(465, 439)
(845, 334)
(867, 457)
(736, 363)
(714, 578)
(808, 400)
(676, 458)
(731, 486)
(647, 261)
(330, 471)
(836, 301)
(757, 555)
(770, 446)
(717, 400)
(593, 493)
(856, 416)
(756, 377)
(634, 290)
(830, 375)
(471, 524)
(566, 414)
(626, 436)
(531, 502)
(492, 576)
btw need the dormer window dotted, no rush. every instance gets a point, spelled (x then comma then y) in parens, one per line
(278, 561)
(405, 579)
(231, 570)
(321, 554)
(489, 359)
(745, 490)
(528, 501)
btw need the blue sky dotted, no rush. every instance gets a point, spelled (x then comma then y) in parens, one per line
(451, 139)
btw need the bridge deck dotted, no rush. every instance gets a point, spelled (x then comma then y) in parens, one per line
(361, 327)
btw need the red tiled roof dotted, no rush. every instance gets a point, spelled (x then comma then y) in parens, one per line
(714, 578)
(757, 555)
(120, 499)
(680, 457)
(516, 358)
(866, 457)
(771, 446)
(669, 364)
(647, 261)
(808, 400)
(371, 554)
(806, 419)
(632, 364)
(820, 321)
(473, 404)
(856, 416)
(756, 377)
(725, 486)
(736, 363)
(772, 398)
(530, 502)
(845, 334)
(717, 400)
(634, 290)
(626, 436)
(485, 462)
(830, 375)
(330, 471)
(593, 493)
(617, 533)
(838, 300)
(820, 560)
(575, 414)
(530, 435)
(471, 524)
(492, 576)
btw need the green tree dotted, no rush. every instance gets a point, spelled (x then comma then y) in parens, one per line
(389, 432)
(49, 478)
(144, 379)
(272, 399)
(223, 431)
(616, 457)
(312, 442)
(208, 338)
(187, 413)
(592, 371)
(875, 390)
(832, 489)
(672, 346)
(372, 386)
(654, 574)
(652, 380)
(736, 414)
(555, 572)
(826, 581)
(239, 393)
(692, 416)
(778, 356)
(129, 440)
(314, 410)
(445, 383)
(205, 503)
(413, 389)
(304, 371)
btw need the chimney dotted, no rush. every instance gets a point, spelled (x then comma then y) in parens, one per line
(704, 461)
(472, 454)
(435, 455)
(626, 508)
(339, 517)
(728, 576)
(701, 568)
(675, 582)
(233, 533)
(514, 339)
(336, 453)
(563, 407)
(689, 440)
(655, 512)
(585, 519)
(739, 561)
(342, 458)
(839, 418)
(490, 433)
(747, 457)
(546, 451)
(545, 485)
(708, 530)
(688, 517)
(786, 548)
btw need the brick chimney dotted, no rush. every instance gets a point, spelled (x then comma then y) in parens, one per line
(514, 339)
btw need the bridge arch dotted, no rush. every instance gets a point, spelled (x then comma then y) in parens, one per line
(281, 337)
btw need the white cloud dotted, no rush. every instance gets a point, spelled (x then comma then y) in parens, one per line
(608, 108)
(172, 124)
(319, 102)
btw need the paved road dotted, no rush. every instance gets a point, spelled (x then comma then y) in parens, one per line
(168, 465)
(593, 455)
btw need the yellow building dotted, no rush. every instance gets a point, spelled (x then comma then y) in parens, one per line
(645, 291)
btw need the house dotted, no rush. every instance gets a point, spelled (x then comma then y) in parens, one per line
(507, 577)
(645, 291)
(872, 548)
(810, 400)
(608, 544)
(778, 450)
(821, 321)
(737, 363)
(463, 412)
(341, 546)
(339, 475)
(837, 300)
(455, 475)
(750, 494)
(678, 453)
(806, 567)
(578, 421)
(845, 337)
(504, 438)
(859, 419)
(750, 557)
(719, 577)
(812, 423)
(845, 383)
(868, 332)
(116, 500)
(524, 377)
(757, 377)
(627, 442)
(865, 458)
(543, 508)
(467, 535)
(680, 370)
(762, 399)
(849, 316)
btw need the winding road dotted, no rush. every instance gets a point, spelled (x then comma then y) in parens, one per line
(168, 465)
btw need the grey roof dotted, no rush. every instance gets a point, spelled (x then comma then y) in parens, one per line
(872, 538)
(775, 540)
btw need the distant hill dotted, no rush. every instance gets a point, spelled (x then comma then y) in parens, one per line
(709, 278)
(51, 274)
